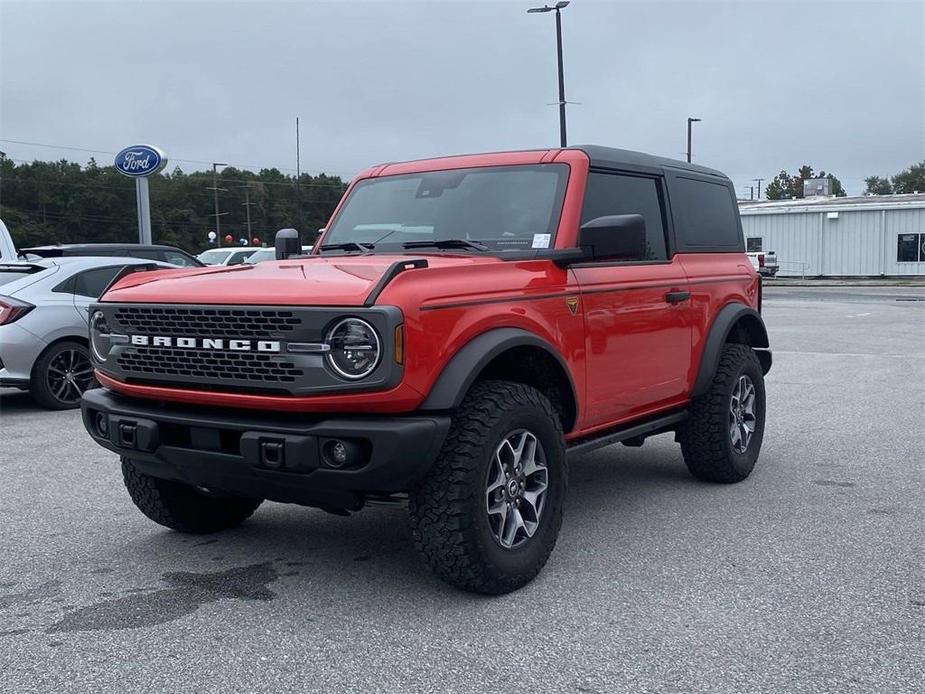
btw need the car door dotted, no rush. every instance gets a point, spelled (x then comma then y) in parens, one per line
(637, 323)
(88, 285)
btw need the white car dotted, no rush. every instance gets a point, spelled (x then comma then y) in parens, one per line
(262, 254)
(225, 256)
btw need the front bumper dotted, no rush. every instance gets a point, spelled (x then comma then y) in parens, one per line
(281, 457)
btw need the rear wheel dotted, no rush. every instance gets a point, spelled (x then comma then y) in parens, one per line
(722, 437)
(61, 375)
(183, 507)
(488, 515)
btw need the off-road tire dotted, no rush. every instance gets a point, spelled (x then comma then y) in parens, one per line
(448, 516)
(705, 439)
(39, 389)
(184, 508)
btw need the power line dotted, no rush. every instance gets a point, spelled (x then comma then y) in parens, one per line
(173, 159)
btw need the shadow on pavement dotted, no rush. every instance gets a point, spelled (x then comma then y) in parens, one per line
(15, 400)
(372, 552)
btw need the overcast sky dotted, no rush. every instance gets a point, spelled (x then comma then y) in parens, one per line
(838, 85)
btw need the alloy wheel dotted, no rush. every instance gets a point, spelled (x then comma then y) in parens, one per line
(69, 374)
(742, 417)
(516, 490)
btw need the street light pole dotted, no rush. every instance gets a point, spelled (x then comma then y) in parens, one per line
(215, 189)
(690, 121)
(558, 7)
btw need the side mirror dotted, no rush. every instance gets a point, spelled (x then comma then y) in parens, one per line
(287, 243)
(615, 237)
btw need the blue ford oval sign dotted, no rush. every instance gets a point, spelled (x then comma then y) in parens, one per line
(140, 160)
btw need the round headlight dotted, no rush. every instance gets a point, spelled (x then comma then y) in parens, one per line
(355, 348)
(100, 344)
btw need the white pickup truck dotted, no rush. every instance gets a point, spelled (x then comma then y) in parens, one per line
(765, 262)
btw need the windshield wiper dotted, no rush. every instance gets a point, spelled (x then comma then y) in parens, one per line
(446, 243)
(348, 246)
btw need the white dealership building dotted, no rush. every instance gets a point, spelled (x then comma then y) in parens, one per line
(871, 236)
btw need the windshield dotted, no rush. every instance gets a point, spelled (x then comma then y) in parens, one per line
(213, 257)
(500, 207)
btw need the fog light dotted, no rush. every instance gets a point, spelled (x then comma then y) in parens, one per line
(102, 424)
(336, 453)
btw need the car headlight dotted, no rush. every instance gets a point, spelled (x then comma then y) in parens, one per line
(100, 336)
(354, 348)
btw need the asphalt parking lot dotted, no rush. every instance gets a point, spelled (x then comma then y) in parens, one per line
(808, 577)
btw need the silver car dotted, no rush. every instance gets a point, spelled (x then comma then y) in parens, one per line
(43, 324)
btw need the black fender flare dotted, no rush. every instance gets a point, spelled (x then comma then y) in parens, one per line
(722, 325)
(461, 371)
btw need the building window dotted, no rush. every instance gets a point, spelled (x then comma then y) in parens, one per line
(753, 244)
(909, 248)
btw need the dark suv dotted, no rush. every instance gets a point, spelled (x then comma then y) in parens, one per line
(160, 254)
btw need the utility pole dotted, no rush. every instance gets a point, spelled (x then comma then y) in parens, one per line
(690, 121)
(247, 208)
(215, 189)
(759, 180)
(298, 175)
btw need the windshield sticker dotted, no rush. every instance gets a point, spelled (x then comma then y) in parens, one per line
(541, 240)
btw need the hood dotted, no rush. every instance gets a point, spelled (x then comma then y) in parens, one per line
(314, 281)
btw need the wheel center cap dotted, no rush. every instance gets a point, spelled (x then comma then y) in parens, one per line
(513, 487)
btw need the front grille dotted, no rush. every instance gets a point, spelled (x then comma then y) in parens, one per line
(240, 367)
(206, 322)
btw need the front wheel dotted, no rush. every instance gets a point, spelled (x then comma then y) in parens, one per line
(722, 437)
(182, 507)
(488, 515)
(61, 375)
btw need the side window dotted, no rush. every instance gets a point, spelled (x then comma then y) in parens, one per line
(753, 244)
(910, 248)
(175, 258)
(92, 282)
(609, 194)
(239, 257)
(708, 214)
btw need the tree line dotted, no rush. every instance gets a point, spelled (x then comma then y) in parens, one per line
(786, 186)
(64, 202)
(911, 180)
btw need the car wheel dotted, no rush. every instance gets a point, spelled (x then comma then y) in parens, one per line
(61, 375)
(183, 507)
(488, 515)
(722, 436)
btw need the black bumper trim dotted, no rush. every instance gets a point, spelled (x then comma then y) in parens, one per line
(223, 449)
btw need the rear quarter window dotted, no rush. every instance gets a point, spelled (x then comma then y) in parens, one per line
(706, 214)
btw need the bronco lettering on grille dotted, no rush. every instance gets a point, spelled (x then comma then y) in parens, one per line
(206, 343)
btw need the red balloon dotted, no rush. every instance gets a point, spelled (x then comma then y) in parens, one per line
(229, 238)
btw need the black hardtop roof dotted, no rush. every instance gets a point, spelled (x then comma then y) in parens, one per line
(612, 158)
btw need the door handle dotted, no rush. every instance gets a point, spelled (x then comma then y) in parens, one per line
(677, 297)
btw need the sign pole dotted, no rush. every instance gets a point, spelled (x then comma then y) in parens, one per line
(140, 162)
(143, 203)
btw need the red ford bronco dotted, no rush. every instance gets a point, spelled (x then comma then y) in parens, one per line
(462, 326)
